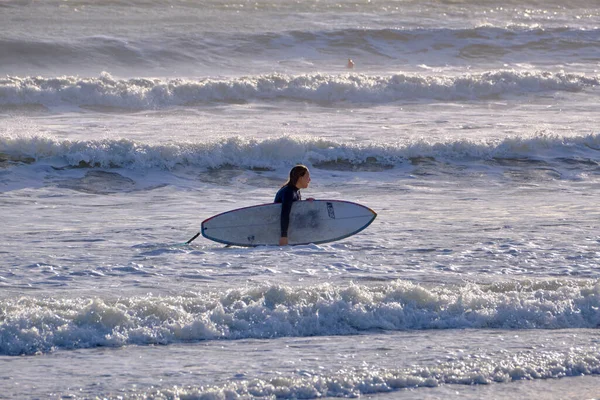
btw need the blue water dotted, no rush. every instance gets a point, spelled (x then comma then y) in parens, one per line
(469, 128)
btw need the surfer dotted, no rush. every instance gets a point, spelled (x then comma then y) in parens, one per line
(290, 192)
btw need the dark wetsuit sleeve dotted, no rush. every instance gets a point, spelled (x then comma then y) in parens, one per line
(286, 207)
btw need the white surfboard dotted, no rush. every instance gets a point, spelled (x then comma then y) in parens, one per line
(316, 221)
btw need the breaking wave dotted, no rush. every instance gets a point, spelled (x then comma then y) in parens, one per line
(32, 325)
(145, 93)
(280, 152)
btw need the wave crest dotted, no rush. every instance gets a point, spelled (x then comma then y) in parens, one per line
(144, 93)
(32, 326)
(281, 152)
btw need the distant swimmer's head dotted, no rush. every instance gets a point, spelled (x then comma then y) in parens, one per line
(350, 64)
(299, 176)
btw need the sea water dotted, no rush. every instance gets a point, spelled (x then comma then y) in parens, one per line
(470, 127)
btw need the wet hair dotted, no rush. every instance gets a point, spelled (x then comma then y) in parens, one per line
(296, 173)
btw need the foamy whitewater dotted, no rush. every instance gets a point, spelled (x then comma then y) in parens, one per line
(471, 128)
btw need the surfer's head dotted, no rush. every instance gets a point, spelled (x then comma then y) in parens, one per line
(299, 177)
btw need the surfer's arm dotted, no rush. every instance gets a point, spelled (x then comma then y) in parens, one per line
(286, 207)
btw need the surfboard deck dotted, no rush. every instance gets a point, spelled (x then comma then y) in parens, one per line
(316, 221)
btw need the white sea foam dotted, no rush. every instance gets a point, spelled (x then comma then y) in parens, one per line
(360, 381)
(144, 93)
(274, 153)
(31, 326)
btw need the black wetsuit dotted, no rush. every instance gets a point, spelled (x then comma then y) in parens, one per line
(286, 196)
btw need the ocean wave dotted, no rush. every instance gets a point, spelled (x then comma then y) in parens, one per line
(40, 325)
(373, 47)
(281, 152)
(143, 93)
(354, 382)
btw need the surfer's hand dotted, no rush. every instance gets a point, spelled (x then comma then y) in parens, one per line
(310, 199)
(283, 241)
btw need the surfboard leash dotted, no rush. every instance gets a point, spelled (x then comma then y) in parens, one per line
(192, 239)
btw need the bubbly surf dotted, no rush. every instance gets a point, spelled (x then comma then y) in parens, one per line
(39, 326)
